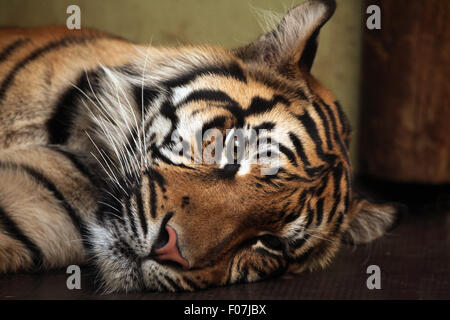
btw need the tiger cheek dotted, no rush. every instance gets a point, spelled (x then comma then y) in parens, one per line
(201, 219)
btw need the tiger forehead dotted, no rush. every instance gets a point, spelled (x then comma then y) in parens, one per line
(212, 87)
(242, 92)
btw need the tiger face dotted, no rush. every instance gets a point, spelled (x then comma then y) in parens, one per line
(173, 220)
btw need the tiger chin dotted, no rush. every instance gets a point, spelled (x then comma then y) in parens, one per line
(89, 172)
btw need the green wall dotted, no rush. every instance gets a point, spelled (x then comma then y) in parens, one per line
(229, 23)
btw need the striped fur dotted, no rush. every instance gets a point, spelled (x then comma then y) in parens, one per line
(89, 172)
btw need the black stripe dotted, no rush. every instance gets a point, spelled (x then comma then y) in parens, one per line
(131, 145)
(262, 273)
(338, 224)
(233, 70)
(299, 149)
(215, 123)
(271, 242)
(314, 171)
(319, 211)
(278, 85)
(140, 211)
(337, 136)
(303, 257)
(168, 110)
(324, 120)
(41, 179)
(309, 216)
(260, 105)
(301, 203)
(111, 201)
(346, 127)
(301, 94)
(333, 209)
(156, 154)
(237, 111)
(243, 274)
(127, 211)
(161, 284)
(311, 128)
(266, 125)
(230, 272)
(206, 95)
(337, 176)
(13, 230)
(8, 50)
(155, 175)
(153, 200)
(310, 171)
(61, 122)
(191, 283)
(174, 285)
(288, 153)
(185, 201)
(269, 180)
(46, 183)
(347, 191)
(144, 97)
(298, 243)
(76, 163)
(64, 42)
(323, 184)
(148, 124)
(287, 196)
(302, 199)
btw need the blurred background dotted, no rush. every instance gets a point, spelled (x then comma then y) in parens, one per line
(392, 83)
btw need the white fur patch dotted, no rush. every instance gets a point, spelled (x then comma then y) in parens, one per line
(180, 93)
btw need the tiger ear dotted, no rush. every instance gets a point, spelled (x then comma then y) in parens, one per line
(369, 220)
(294, 41)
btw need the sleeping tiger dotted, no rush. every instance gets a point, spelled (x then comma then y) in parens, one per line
(90, 172)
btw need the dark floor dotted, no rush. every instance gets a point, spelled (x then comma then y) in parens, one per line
(414, 260)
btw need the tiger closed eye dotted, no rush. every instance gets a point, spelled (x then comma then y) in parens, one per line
(272, 242)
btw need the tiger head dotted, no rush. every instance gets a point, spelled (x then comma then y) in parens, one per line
(173, 220)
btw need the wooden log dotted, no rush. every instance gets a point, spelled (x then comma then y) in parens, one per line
(405, 104)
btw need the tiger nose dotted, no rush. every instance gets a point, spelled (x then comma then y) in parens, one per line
(169, 251)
